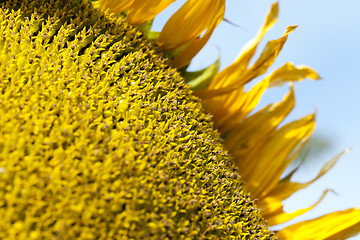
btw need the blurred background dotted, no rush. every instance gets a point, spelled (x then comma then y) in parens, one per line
(327, 40)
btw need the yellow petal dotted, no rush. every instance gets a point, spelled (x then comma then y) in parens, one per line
(234, 109)
(185, 56)
(273, 154)
(269, 54)
(115, 6)
(231, 79)
(289, 72)
(246, 134)
(336, 226)
(274, 214)
(235, 70)
(142, 11)
(285, 189)
(189, 22)
(216, 104)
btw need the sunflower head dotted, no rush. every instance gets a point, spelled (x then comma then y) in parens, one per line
(101, 139)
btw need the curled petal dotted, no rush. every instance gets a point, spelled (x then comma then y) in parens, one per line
(337, 225)
(269, 54)
(286, 188)
(235, 70)
(231, 78)
(288, 72)
(274, 214)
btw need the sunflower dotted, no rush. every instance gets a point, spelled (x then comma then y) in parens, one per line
(100, 138)
(260, 147)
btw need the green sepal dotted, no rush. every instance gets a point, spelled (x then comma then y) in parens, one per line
(153, 36)
(201, 79)
(146, 28)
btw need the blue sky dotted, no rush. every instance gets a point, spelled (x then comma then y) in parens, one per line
(327, 39)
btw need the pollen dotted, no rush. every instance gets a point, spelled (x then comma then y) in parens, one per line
(101, 139)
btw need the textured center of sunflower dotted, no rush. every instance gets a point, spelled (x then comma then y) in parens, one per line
(99, 138)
